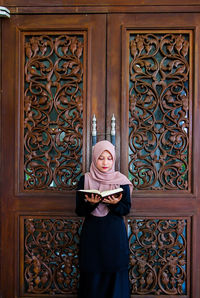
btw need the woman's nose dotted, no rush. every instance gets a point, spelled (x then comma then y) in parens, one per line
(105, 161)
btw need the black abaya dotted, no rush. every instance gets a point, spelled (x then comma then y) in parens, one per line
(104, 252)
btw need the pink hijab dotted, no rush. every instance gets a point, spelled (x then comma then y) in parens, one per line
(112, 179)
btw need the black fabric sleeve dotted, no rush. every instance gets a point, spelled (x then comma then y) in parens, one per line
(83, 208)
(123, 206)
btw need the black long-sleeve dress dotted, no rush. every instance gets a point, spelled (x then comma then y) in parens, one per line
(104, 251)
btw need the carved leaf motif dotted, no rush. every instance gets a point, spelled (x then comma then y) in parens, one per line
(158, 254)
(51, 256)
(159, 111)
(53, 110)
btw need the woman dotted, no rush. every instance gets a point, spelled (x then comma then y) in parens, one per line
(104, 251)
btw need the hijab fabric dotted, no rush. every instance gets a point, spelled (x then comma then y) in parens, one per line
(95, 179)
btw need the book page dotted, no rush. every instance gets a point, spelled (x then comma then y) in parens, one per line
(111, 192)
(104, 193)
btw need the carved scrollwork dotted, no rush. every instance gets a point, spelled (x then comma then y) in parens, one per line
(53, 111)
(159, 111)
(51, 256)
(158, 256)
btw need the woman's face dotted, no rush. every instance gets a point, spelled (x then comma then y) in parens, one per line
(104, 162)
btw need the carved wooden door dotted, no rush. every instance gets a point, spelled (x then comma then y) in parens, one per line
(57, 71)
(52, 82)
(153, 80)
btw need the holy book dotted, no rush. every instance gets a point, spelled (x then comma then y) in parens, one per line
(103, 194)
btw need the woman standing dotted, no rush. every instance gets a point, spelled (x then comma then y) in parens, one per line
(104, 251)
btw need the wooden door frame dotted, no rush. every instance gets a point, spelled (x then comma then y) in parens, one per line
(13, 209)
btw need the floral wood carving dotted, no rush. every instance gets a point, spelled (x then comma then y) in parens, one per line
(51, 256)
(159, 111)
(53, 111)
(158, 256)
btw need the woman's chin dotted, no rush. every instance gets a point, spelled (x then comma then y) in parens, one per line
(104, 170)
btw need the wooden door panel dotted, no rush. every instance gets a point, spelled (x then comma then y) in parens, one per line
(49, 247)
(128, 26)
(51, 91)
(151, 80)
(160, 122)
(159, 255)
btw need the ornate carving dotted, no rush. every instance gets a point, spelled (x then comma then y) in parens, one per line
(159, 111)
(51, 255)
(158, 256)
(53, 111)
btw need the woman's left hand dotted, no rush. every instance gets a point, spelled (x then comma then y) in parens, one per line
(112, 199)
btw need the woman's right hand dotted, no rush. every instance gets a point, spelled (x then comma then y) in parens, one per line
(94, 199)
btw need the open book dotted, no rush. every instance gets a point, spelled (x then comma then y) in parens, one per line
(104, 193)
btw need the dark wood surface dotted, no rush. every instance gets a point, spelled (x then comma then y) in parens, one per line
(106, 94)
(14, 201)
(100, 3)
(85, 6)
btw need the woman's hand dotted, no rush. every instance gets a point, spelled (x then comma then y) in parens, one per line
(93, 199)
(112, 199)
